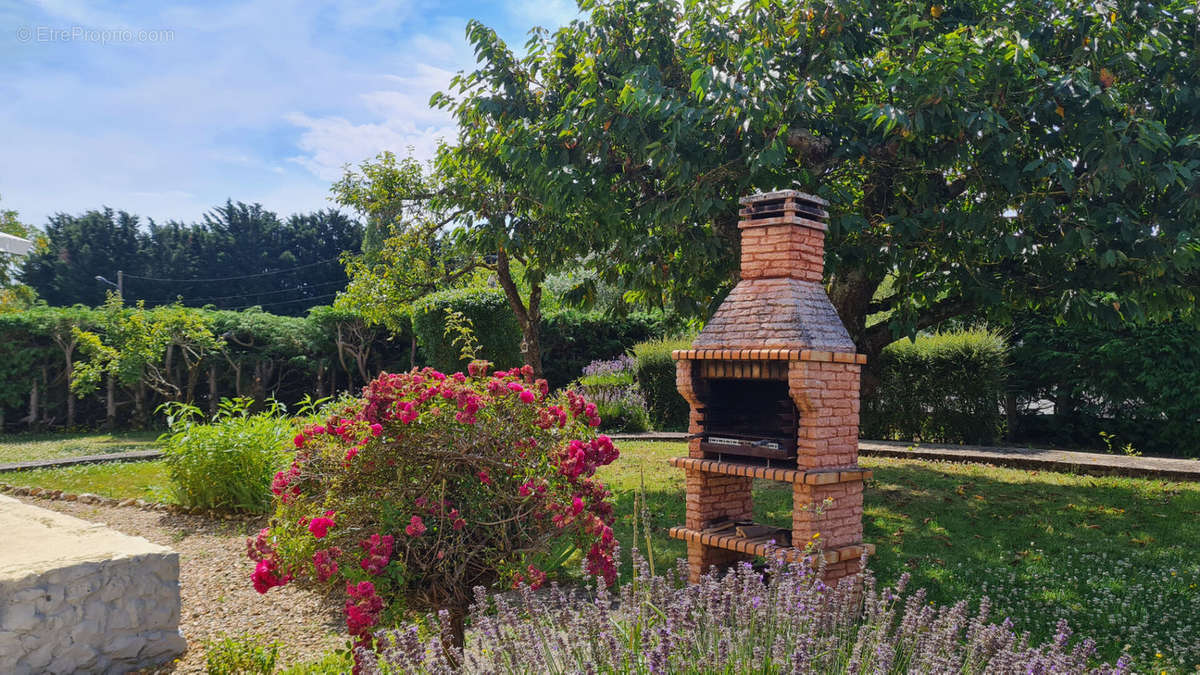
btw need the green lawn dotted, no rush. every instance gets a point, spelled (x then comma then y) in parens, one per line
(141, 480)
(32, 447)
(1116, 557)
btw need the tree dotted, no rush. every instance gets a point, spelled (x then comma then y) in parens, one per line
(240, 255)
(10, 223)
(139, 349)
(78, 248)
(1041, 154)
(406, 252)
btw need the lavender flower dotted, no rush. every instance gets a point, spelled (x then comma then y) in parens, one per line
(780, 620)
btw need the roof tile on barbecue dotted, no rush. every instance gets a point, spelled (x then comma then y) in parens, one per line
(776, 313)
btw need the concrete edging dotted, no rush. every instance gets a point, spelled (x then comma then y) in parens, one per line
(131, 456)
(1063, 461)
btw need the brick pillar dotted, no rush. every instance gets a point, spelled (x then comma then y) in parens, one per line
(688, 385)
(711, 497)
(839, 521)
(826, 394)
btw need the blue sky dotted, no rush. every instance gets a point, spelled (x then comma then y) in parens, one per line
(261, 101)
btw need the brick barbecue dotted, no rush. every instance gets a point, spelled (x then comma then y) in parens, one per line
(773, 384)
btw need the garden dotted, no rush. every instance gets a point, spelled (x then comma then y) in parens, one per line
(1113, 557)
(468, 459)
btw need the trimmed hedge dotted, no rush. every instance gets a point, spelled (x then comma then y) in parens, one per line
(941, 388)
(572, 339)
(495, 327)
(656, 378)
(1138, 383)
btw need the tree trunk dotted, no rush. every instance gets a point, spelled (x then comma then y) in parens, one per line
(1010, 412)
(33, 404)
(454, 636)
(110, 404)
(412, 352)
(851, 293)
(212, 391)
(321, 381)
(46, 418)
(139, 405)
(70, 377)
(529, 317)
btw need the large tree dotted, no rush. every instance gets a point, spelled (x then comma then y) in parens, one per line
(239, 255)
(1037, 153)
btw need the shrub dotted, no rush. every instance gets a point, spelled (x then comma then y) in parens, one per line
(432, 485)
(610, 385)
(337, 662)
(946, 387)
(1137, 383)
(491, 320)
(784, 620)
(240, 656)
(572, 339)
(656, 380)
(228, 464)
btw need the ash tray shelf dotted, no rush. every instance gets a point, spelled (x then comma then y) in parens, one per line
(732, 542)
(764, 471)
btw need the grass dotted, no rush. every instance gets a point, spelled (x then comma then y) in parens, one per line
(119, 480)
(34, 447)
(1114, 556)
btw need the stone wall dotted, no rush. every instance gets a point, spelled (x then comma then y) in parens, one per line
(76, 597)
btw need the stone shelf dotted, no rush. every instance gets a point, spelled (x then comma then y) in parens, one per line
(764, 471)
(757, 547)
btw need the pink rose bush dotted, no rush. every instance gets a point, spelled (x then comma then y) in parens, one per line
(432, 485)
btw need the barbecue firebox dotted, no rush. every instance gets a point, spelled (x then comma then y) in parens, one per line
(750, 418)
(773, 382)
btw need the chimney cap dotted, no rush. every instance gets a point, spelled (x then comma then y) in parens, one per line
(781, 194)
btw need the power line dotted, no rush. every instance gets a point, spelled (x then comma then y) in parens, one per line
(284, 302)
(218, 298)
(245, 276)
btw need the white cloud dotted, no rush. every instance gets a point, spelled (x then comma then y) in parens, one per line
(330, 143)
(260, 101)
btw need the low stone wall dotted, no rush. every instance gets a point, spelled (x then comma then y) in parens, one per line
(78, 597)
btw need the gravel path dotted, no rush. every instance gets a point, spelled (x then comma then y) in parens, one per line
(214, 579)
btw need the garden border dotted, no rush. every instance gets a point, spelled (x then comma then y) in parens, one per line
(1041, 459)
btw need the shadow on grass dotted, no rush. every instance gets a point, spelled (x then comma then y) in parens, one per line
(1115, 556)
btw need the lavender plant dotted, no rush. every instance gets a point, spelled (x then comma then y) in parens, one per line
(780, 620)
(611, 385)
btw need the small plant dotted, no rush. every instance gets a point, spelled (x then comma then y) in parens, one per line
(240, 656)
(1109, 440)
(337, 662)
(227, 464)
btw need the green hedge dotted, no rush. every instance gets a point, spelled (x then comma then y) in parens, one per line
(495, 328)
(572, 339)
(656, 378)
(1138, 383)
(942, 388)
